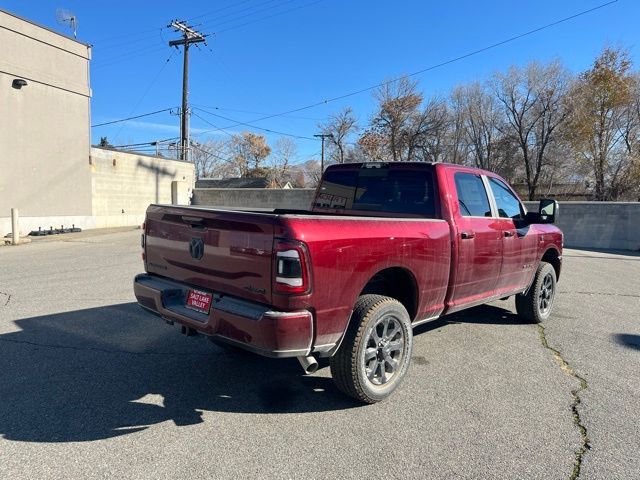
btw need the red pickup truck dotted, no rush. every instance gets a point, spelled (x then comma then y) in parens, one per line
(383, 248)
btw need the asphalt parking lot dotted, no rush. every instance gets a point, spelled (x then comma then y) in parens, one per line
(93, 387)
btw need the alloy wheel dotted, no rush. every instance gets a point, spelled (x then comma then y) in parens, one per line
(384, 350)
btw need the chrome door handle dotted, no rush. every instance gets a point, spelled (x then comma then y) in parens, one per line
(467, 235)
(509, 233)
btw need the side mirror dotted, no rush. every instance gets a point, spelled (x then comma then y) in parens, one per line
(548, 210)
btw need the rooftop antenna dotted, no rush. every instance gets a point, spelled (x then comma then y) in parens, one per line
(66, 17)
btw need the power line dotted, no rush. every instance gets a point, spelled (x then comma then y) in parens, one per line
(216, 23)
(252, 9)
(147, 90)
(206, 14)
(214, 155)
(253, 112)
(105, 62)
(146, 143)
(132, 118)
(144, 34)
(152, 49)
(109, 46)
(234, 27)
(210, 124)
(432, 67)
(269, 130)
(128, 35)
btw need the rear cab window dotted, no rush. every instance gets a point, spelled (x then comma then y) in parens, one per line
(396, 190)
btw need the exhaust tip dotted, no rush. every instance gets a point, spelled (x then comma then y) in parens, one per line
(309, 364)
(188, 331)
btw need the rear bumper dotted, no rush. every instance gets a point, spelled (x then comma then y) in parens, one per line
(248, 325)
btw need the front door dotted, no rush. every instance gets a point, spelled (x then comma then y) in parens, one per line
(479, 240)
(519, 244)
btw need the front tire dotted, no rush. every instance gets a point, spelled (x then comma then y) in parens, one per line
(376, 351)
(537, 304)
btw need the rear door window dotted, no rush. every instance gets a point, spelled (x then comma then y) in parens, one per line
(472, 196)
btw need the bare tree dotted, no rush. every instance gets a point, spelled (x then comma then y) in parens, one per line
(456, 147)
(280, 161)
(429, 132)
(307, 174)
(340, 126)
(481, 121)
(534, 103)
(209, 159)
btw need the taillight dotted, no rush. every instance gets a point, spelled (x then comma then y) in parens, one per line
(291, 268)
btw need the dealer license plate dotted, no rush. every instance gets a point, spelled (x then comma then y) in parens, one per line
(199, 301)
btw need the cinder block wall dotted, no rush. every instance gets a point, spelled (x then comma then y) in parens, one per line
(124, 184)
(296, 198)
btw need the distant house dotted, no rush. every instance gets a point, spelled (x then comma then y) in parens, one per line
(245, 182)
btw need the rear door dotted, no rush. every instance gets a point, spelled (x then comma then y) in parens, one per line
(216, 250)
(479, 240)
(519, 243)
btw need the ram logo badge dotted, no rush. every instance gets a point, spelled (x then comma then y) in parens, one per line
(196, 248)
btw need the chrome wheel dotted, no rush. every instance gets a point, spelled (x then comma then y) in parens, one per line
(384, 350)
(545, 299)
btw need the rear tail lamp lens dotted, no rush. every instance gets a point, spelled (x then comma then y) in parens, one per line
(143, 241)
(291, 273)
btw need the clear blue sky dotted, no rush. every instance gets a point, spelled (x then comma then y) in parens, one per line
(297, 52)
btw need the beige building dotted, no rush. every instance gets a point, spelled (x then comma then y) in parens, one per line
(47, 168)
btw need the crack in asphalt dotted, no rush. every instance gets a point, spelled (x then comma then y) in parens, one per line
(575, 393)
(8, 295)
(104, 350)
(610, 294)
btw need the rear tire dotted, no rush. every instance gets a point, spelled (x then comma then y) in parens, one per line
(376, 351)
(537, 304)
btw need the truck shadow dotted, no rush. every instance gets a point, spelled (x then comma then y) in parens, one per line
(103, 372)
(490, 314)
(109, 371)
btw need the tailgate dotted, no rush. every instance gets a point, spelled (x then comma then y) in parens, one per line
(217, 250)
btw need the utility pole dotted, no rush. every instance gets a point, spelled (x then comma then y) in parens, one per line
(189, 36)
(323, 136)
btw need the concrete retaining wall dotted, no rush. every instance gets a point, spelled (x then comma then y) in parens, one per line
(296, 198)
(606, 225)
